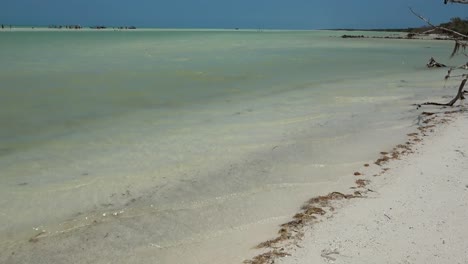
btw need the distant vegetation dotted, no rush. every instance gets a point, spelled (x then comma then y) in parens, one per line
(94, 27)
(455, 23)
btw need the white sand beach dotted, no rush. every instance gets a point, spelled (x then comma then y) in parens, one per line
(414, 212)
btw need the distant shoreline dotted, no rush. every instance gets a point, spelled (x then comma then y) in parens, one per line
(109, 29)
(392, 33)
(103, 27)
(373, 30)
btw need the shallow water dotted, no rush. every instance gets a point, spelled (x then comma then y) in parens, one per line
(172, 145)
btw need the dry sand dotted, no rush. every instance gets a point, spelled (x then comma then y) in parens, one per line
(415, 212)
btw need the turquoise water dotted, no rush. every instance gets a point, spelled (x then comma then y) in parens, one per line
(186, 143)
(59, 77)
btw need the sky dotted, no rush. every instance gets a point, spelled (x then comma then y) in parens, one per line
(266, 14)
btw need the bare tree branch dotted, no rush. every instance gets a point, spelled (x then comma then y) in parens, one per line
(454, 100)
(459, 44)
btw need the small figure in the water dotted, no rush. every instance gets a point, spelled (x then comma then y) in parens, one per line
(3, 26)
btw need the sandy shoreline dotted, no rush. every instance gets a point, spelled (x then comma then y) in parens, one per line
(414, 207)
(409, 209)
(208, 182)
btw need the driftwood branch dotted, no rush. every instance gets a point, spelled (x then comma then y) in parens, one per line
(459, 44)
(459, 96)
(434, 64)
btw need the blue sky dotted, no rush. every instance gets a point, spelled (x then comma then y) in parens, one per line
(287, 14)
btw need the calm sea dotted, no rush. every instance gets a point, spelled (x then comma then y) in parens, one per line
(189, 146)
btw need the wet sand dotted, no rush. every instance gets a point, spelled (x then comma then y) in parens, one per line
(409, 206)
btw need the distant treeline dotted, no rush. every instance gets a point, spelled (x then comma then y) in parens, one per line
(455, 23)
(94, 27)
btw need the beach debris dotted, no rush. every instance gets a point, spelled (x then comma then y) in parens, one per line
(389, 218)
(357, 193)
(447, 76)
(401, 146)
(326, 254)
(434, 64)
(427, 121)
(453, 112)
(459, 96)
(361, 183)
(424, 128)
(35, 238)
(397, 151)
(270, 243)
(460, 46)
(310, 211)
(382, 160)
(357, 174)
(268, 257)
